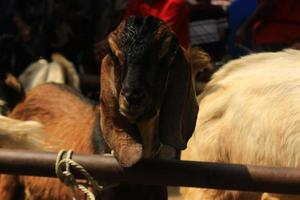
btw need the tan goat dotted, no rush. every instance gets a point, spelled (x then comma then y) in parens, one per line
(250, 114)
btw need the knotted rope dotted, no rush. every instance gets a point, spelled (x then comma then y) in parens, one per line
(62, 169)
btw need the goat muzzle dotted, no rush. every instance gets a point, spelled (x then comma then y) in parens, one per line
(133, 103)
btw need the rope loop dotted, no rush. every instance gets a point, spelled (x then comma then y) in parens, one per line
(62, 169)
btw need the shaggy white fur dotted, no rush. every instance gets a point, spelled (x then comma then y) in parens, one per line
(21, 134)
(250, 114)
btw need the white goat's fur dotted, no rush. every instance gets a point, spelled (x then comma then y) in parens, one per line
(21, 134)
(250, 114)
(60, 70)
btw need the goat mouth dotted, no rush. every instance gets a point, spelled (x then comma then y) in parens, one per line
(132, 112)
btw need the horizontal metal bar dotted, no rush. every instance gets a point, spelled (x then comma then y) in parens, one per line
(160, 172)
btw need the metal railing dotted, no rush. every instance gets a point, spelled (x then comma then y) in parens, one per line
(160, 172)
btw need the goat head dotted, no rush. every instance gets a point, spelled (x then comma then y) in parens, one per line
(147, 95)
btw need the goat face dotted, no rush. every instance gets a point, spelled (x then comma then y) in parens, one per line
(143, 82)
(141, 51)
(147, 77)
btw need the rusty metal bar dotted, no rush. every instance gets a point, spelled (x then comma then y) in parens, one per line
(161, 172)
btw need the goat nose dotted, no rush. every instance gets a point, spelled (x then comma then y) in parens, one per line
(134, 96)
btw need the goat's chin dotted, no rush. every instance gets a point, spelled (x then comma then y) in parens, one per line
(130, 155)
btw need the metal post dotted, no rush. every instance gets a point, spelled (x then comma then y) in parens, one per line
(160, 172)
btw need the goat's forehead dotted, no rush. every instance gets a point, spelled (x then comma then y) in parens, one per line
(137, 39)
(139, 33)
(139, 46)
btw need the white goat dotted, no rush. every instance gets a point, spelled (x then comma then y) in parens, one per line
(60, 70)
(250, 114)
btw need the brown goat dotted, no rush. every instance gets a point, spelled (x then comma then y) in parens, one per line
(146, 98)
(68, 119)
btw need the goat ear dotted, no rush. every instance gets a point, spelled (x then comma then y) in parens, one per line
(166, 46)
(114, 45)
(179, 108)
(119, 134)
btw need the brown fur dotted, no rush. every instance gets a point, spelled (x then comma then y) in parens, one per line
(199, 60)
(115, 127)
(12, 82)
(65, 117)
(12, 89)
(202, 68)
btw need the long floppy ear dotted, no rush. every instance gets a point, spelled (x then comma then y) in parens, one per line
(179, 108)
(121, 136)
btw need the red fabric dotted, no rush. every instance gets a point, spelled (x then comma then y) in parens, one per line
(174, 12)
(282, 26)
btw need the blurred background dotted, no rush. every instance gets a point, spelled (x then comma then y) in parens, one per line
(72, 33)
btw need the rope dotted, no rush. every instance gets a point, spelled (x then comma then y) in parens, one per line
(62, 169)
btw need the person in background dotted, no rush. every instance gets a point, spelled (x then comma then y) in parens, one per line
(275, 24)
(25, 32)
(174, 12)
(238, 13)
(208, 28)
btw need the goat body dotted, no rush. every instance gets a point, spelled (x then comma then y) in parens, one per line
(65, 117)
(249, 114)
